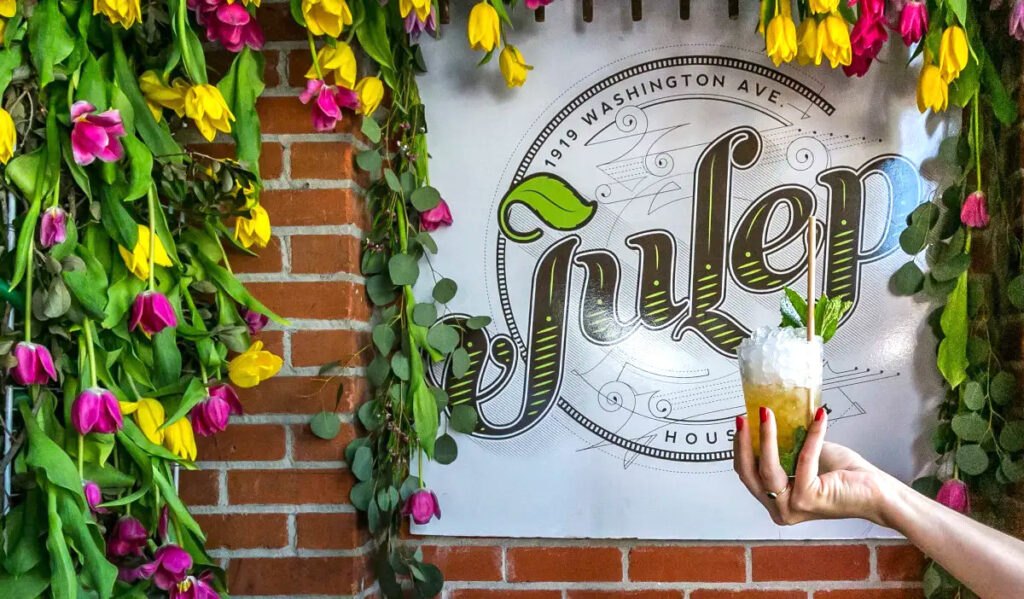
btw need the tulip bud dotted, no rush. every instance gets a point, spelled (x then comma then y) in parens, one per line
(513, 66)
(96, 410)
(35, 365)
(152, 311)
(1017, 21)
(422, 506)
(974, 212)
(93, 496)
(210, 416)
(53, 227)
(955, 495)
(171, 563)
(255, 321)
(437, 217)
(913, 21)
(128, 537)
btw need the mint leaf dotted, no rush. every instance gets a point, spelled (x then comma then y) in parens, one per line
(827, 312)
(789, 459)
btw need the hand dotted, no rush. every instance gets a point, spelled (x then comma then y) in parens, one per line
(831, 481)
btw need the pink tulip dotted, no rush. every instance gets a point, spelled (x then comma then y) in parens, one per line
(170, 565)
(95, 410)
(152, 311)
(195, 588)
(93, 496)
(868, 35)
(422, 506)
(255, 321)
(437, 217)
(535, 4)
(974, 212)
(859, 65)
(53, 228)
(1017, 21)
(326, 111)
(210, 416)
(954, 494)
(95, 135)
(414, 26)
(128, 537)
(874, 8)
(228, 23)
(35, 365)
(913, 21)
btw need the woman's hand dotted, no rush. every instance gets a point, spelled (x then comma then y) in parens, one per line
(831, 481)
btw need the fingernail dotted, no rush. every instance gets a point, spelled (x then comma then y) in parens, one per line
(740, 422)
(764, 414)
(819, 415)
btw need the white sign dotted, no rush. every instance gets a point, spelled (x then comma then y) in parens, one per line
(626, 218)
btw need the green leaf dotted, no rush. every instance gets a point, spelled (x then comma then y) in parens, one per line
(551, 199)
(378, 371)
(361, 495)
(392, 180)
(478, 322)
(1012, 469)
(951, 267)
(427, 241)
(974, 396)
(380, 289)
(927, 485)
(63, 581)
(1003, 104)
(368, 415)
(425, 420)
(464, 418)
(400, 365)
(156, 136)
(908, 279)
(353, 446)
(972, 459)
(977, 351)
(116, 220)
(166, 357)
(425, 198)
(187, 43)
(90, 285)
(1003, 388)
(241, 86)
(235, 289)
(789, 459)
(445, 290)
(49, 40)
(140, 173)
(460, 362)
(424, 314)
(952, 359)
(959, 8)
(443, 338)
(194, 393)
(912, 239)
(369, 160)
(325, 425)
(372, 32)
(970, 426)
(403, 269)
(47, 457)
(362, 464)
(10, 58)
(793, 308)
(383, 338)
(1011, 438)
(440, 396)
(445, 450)
(932, 581)
(1015, 292)
(26, 586)
(370, 129)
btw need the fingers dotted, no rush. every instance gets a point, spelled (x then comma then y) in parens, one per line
(743, 459)
(807, 465)
(773, 477)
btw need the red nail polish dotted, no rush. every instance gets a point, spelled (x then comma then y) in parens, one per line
(764, 414)
(819, 415)
(740, 423)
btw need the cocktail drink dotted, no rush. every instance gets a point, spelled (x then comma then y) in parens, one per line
(781, 370)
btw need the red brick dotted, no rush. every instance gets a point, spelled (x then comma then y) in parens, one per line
(289, 486)
(708, 563)
(219, 61)
(465, 562)
(243, 442)
(323, 160)
(751, 594)
(271, 156)
(314, 299)
(273, 342)
(504, 594)
(314, 348)
(267, 259)
(564, 564)
(299, 63)
(308, 447)
(870, 594)
(325, 254)
(900, 562)
(810, 562)
(303, 395)
(330, 531)
(642, 594)
(244, 531)
(287, 114)
(199, 487)
(278, 24)
(310, 207)
(299, 576)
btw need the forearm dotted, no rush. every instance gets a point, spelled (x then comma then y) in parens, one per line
(989, 562)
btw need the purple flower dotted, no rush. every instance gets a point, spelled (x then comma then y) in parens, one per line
(868, 35)
(330, 100)
(161, 526)
(128, 537)
(535, 4)
(95, 135)
(1017, 21)
(255, 321)
(414, 26)
(35, 365)
(437, 217)
(974, 212)
(228, 23)
(169, 566)
(422, 506)
(93, 496)
(53, 228)
(152, 311)
(195, 588)
(913, 21)
(95, 410)
(210, 416)
(954, 494)
(859, 65)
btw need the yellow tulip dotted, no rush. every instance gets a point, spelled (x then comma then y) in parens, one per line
(422, 8)
(953, 53)
(513, 67)
(834, 40)
(255, 3)
(823, 7)
(206, 107)
(120, 12)
(160, 96)
(253, 366)
(137, 260)
(8, 136)
(3, 28)
(326, 17)
(340, 61)
(148, 415)
(807, 48)
(8, 8)
(254, 230)
(484, 27)
(180, 440)
(780, 39)
(371, 92)
(932, 91)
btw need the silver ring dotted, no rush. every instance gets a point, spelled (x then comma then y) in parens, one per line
(775, 495)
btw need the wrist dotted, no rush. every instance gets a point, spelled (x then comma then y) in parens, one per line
(893, 504)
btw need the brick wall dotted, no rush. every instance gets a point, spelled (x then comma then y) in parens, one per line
(274, 499)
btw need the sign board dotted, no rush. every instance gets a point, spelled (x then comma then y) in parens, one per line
(625, 219)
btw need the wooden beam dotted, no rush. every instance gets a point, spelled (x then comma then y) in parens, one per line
(684, 10)
(588, 11)
(446, 14)
(637, 9)
(538, 15)
(734, 9)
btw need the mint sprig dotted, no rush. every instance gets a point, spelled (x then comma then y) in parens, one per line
(827, 312)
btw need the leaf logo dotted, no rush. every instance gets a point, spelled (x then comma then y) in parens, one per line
(556, 203)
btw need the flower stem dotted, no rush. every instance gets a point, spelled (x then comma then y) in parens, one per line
(316, 59)
(28, 288)
(87, 326)
(977, 140)
(81, 457)
(419, 466)
(151, 200)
